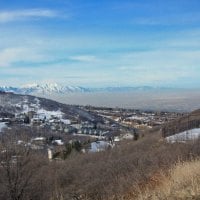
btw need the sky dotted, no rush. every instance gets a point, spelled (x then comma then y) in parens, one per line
(100, 43)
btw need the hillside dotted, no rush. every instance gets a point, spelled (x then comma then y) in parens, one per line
(182, 182)
(183, 123)
(124, 172)
(12, 104)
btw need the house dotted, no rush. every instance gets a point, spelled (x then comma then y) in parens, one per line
(39, 140)
(58, 142)
(69, 129)
(128, 136)
(77, 126)
(100, 146)
(31, 114)
(116, 139)
(36, 121)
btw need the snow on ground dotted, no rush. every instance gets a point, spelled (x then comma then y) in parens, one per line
(128, 136)
(39, 139)
(192, 134)
(2, 126)
(66, 121)
(92, 136)
(37, 102)
(58, 142)
(42, 113)
(138, 118)
(48, 114)
(106, 116)
(33, 106)
(26, 108)
(99, 146)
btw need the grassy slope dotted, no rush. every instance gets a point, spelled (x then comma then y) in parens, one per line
(182, 182)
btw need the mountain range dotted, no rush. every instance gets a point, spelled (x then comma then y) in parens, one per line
(54, 88)
(43, 89)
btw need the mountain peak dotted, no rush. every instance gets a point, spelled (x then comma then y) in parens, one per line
(30, 85)
(47, 88)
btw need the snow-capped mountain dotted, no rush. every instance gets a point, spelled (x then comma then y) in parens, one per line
(54, 88)
(9, 89)
(51, 88)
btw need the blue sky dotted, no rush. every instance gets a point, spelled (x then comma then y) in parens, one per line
(100, 42)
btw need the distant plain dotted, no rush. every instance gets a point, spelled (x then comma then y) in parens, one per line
(179, 100)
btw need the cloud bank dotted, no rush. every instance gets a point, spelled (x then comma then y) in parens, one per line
(17, 15)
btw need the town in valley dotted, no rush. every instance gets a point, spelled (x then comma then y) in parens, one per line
(92, 129)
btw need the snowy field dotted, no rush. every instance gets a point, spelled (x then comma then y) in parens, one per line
(42, 113)
(48, 114)
(2, 126)
(192, 134)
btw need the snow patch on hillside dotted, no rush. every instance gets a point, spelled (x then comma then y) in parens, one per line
(49, 114)
(2, 126)
(192, 134)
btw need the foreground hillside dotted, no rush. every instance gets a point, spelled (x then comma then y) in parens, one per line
(119, 173)
(182, 182)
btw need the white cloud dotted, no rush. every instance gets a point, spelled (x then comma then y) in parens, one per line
(19, 54)
(8, 16)
(84, 58)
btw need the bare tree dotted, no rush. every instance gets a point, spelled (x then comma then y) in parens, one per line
(18, 167)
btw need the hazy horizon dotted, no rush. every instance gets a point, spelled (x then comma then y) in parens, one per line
(90, 86)
(177, 100)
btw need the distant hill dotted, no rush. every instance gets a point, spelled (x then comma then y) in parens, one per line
(12, 104)
(186, 122)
